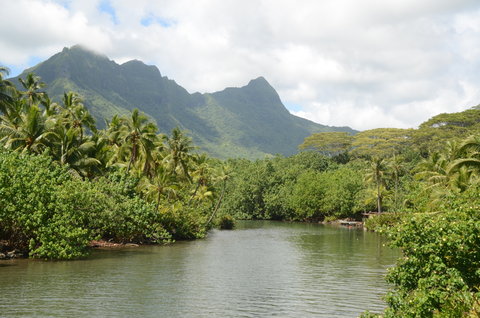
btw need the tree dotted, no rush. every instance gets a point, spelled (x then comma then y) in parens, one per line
(7, 90)
(397, 168)
(381, 142)
(431, 135)
(223, 176)
(67, 149)
(468, 156)
(376, 175)
(140, 137)
(26, 133)
(201, 173)
(32, 85)
(329, 143)
(76, 115)
(178, 149)
(163, 184)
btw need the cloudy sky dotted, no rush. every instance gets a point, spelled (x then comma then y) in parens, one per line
(361, 63)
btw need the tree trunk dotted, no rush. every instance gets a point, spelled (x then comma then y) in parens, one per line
(158, 201)
(217, 206)
(379, 197)
(194, 193)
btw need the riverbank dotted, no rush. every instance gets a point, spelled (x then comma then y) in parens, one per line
(8, 253)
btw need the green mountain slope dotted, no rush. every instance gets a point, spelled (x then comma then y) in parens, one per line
(249, 121)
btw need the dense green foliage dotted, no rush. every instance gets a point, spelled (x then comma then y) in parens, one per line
(307, 186)
(53, 214)
(128, 183)
(64, 183)
(246, 122)
(439, 274)
(427, 193)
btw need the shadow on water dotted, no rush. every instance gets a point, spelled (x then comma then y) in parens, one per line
(6, 264)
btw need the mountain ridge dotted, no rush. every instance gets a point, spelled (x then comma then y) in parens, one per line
(248, 121)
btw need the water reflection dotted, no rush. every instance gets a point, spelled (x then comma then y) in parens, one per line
(263, 269)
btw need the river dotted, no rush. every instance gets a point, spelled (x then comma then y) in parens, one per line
(261, 269)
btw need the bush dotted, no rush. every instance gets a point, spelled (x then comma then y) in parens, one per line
(439, 275)
(34, 214)
(226, 222)
(383, 221)
(52, 215)
(183, 222)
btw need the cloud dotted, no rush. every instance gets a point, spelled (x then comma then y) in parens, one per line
(365, 64)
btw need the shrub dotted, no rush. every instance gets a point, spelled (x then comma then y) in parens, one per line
(34, 214)
(226, 222)
(52, 215)
(383, 221)
(439, 275)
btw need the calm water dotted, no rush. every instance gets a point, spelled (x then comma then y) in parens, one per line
(262, 269)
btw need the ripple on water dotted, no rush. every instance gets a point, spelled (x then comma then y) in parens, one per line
(264, 269)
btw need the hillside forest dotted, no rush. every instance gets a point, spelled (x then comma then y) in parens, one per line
(64, 183)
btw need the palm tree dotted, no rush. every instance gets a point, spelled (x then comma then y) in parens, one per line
(32, 86)
(376, 175)
(13, 112)
(451, 171)
(51, 108)
(179, 149)
(7, 90)
(162, 184)
(434, 170)
(67, 149)
(396, 167)
(201, 173)
(26, 133)
(140, 139)
(470, 150)
(114, 136)
(223, 175)
(76, 115)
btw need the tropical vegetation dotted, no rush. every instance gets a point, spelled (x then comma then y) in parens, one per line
(64, 182)
(423, 186)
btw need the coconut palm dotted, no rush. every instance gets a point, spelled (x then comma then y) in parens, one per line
(7, 90)
(67, 149)
(201, 173)
(224, 174)
(470, 150)
(396, 168)
(26, 133)
(179, 148)
(32, 85)
(13, 112)
(51, 108)
(140, 137)
(76, 115)
(163, 184)
(434, 170)
(376, 175)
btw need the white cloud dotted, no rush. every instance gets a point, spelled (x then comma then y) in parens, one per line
(365, 64)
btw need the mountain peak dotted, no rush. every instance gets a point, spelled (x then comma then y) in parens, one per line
(246, 121)
(82, 49)
(259, 82)
(140, 68)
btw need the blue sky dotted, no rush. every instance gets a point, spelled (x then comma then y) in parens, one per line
(106, 6)
(361, 63)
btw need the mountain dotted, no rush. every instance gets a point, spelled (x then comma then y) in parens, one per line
(249, 121)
